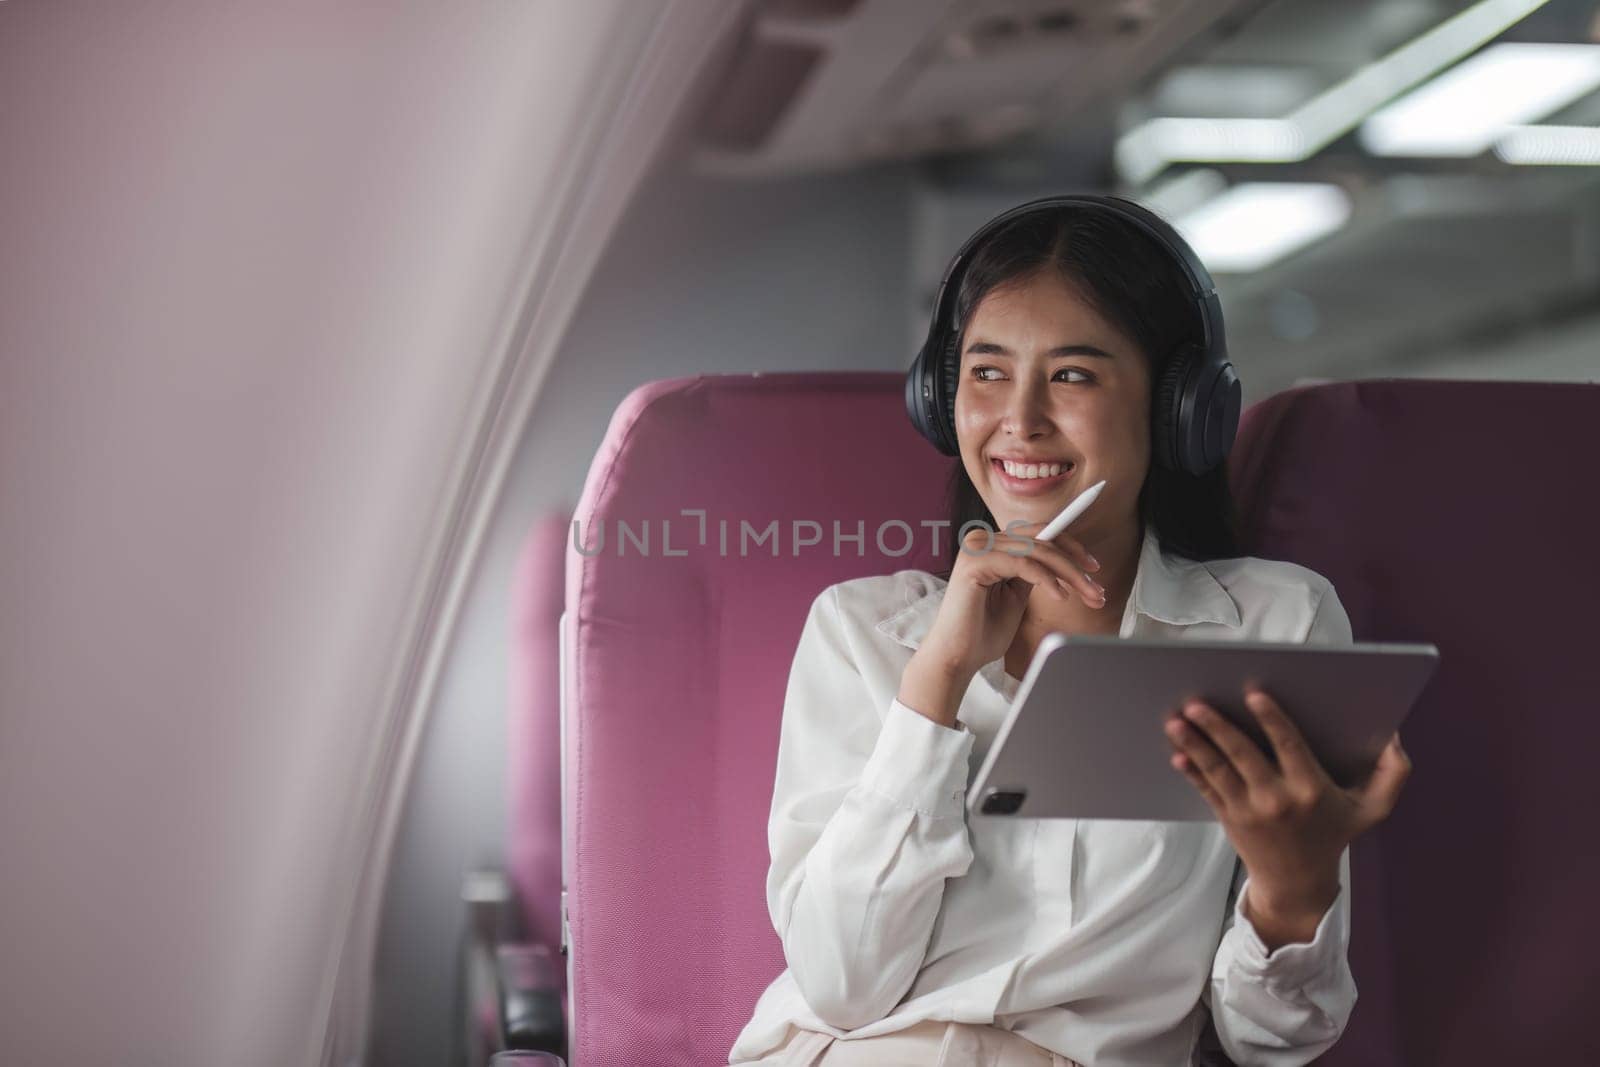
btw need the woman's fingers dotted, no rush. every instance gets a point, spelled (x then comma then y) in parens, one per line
(1242, 752)
(1378, 796)
(1207, 760)
(1183, 763)
(1006, 554)
(991, 563)
(1070, 547)
(1294, 755)
(1036, 573)
(1059, 562)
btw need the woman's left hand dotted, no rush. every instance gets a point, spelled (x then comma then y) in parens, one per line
(1289, 823)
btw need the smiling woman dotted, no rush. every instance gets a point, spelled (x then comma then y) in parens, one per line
(1120, 315)
(1078, 352)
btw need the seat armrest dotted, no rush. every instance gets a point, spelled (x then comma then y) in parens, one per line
(524, 1058)
(509, 990)
(530, 997)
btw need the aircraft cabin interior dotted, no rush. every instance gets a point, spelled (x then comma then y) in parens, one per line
(525, 533)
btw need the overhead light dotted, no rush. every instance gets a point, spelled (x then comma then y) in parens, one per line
(1255, 224)
(1144, 151)
(1463, 111)
(1569, 146)
(1227, 140)
(1234, 89)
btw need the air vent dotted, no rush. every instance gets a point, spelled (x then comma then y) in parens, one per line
(996, 33)
(1060, 20)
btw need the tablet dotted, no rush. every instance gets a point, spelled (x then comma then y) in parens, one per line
(1084, 737)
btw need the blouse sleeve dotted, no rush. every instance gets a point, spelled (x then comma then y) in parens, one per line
(1286, 1007)
(867, 822)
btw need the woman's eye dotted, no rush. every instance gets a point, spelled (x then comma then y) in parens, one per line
(983, 372)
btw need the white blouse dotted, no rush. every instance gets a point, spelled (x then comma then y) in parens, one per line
(1104, 940)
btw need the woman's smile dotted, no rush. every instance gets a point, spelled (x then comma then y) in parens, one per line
(1032, 479)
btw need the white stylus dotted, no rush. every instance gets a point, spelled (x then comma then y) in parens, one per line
(1069, 513)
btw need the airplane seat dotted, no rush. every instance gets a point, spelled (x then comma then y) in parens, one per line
(677, 663)
(1429, 505)
(533, 845)
(515, 995)
(1470, 929)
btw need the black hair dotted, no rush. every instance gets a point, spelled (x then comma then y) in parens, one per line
(1135, 284)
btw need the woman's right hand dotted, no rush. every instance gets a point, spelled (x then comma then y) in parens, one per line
(988, 590)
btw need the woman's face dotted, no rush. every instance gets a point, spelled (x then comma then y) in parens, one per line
(1046, 380)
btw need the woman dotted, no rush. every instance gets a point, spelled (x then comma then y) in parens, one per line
(915, 938)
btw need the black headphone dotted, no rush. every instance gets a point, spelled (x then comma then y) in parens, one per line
(1196, 404)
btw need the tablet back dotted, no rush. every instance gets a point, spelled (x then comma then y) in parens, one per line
(1084, 737)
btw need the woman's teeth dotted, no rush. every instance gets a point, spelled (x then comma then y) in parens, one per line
(1033, 470)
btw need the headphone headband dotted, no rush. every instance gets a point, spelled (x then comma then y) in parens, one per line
(1202, 288)
(1196, 400)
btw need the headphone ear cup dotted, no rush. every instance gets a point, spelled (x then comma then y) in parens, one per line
(1166, 410)
(1196, 411)
(932, 412)
(1219, 402)
(945, 390)
(916, 408)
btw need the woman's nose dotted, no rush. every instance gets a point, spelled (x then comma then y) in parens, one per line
(1025, 415)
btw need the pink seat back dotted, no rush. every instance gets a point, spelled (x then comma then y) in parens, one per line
(1455, 513)
(1464, 514)
(677, 667)
(533, 733)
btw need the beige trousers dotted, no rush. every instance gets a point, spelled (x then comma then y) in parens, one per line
(925, 1044)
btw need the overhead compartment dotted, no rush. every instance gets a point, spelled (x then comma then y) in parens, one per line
(830, 84)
